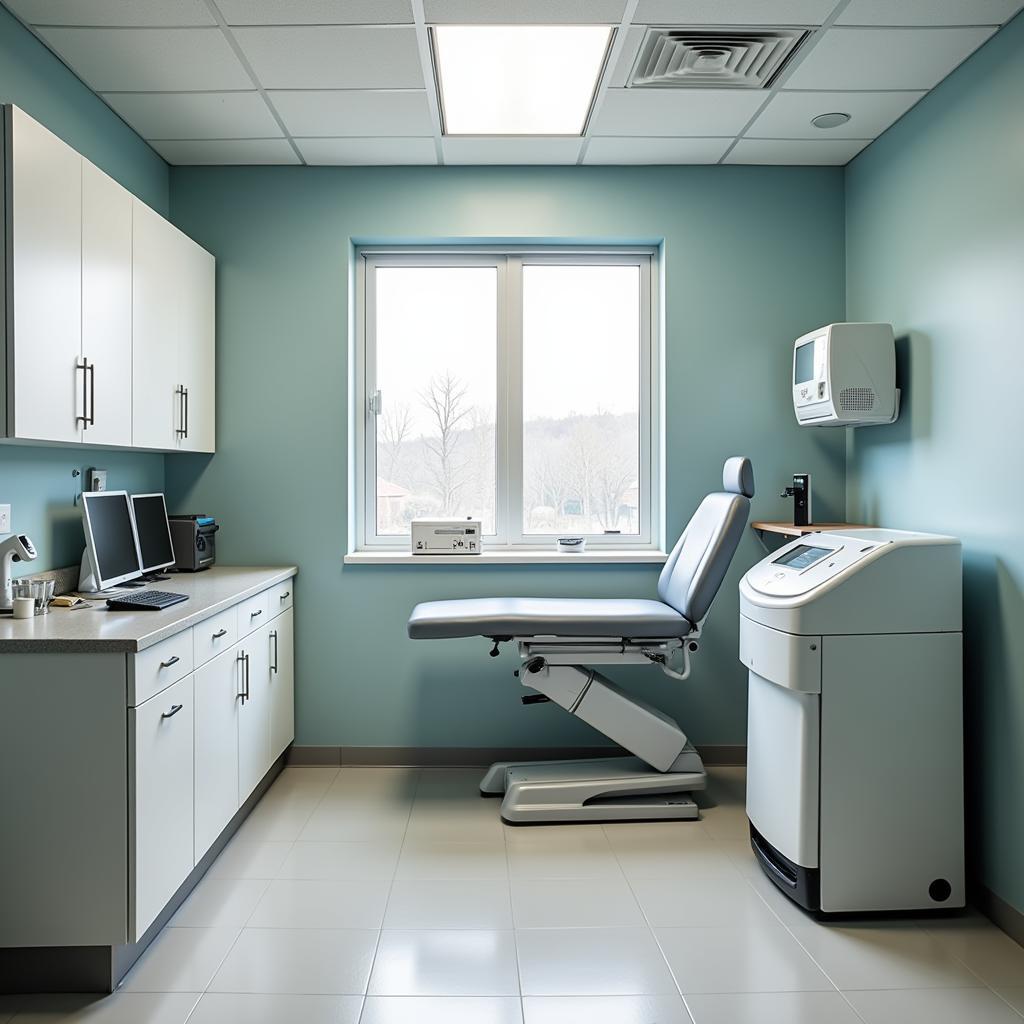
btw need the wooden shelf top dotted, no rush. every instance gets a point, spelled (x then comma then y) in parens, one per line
(789, 530)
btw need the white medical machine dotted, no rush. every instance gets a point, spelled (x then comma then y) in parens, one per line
(855, 724)
(844, 375)
(446, 536)
(16, 548)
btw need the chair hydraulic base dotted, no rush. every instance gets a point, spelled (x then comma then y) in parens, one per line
(607, 789)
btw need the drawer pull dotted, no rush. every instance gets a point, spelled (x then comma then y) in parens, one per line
(273, 668)
(172, 660)
(286, 595)
(252, 615)
(175, 708)
(219, 634)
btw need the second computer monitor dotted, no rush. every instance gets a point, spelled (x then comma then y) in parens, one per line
(154, 531)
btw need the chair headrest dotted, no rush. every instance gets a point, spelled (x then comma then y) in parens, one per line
(738, 476)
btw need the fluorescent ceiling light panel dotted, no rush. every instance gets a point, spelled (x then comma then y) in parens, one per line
(518, 79)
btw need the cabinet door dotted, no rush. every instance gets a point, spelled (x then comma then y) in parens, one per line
(161, 801)
(282, 683)
(156, 293)
(107, 307)
(46, 193)
(218, 692)
(254, 713)
(196, 344)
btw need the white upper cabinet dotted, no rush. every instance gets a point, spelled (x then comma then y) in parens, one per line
(109, 334)
(44, 282)
(172, 337)
(106, 308)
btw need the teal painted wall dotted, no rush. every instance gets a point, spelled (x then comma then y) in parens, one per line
(754, 258)
(935, 244)
(37, 482)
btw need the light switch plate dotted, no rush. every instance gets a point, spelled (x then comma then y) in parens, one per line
(97, 479)
(5, 518)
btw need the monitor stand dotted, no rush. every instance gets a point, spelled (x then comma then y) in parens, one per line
(87, 579)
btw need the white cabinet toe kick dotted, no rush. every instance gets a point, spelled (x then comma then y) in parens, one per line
(128, 771)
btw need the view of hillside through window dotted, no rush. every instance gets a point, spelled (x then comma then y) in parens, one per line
(436, 347)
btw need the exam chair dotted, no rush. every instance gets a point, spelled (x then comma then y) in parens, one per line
(560, 638)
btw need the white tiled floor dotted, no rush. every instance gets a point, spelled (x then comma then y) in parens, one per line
(393, 896)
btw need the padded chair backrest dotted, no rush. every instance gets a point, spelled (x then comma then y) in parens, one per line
(699, 561)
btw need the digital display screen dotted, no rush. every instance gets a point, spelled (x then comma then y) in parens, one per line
(154, 532)
(803, 363)
(110, 521)
(801, 556)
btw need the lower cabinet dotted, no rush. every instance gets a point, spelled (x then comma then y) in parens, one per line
(161, 752)
(254, 715)
(218, 697)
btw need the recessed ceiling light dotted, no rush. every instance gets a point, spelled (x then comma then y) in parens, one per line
(518, 79)
(830, 120)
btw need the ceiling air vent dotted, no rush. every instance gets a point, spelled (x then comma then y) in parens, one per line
(717, 58)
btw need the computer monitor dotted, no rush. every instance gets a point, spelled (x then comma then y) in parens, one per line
(154, 532)
(110, 537)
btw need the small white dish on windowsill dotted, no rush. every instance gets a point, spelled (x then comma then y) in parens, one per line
(571, 545)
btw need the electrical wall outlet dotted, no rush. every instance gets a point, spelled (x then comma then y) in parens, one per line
(97, 480)
(5, 519)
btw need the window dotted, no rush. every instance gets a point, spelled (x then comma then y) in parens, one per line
(515, 386)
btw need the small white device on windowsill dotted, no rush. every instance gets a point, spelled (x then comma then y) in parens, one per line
(446, 536)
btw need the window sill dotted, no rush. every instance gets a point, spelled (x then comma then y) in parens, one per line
(600, 557)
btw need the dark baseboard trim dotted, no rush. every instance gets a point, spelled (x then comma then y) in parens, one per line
(478, 757)
(1001, 913)
(52, 969)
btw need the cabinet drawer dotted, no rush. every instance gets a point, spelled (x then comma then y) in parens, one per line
(214, 636)
(281, 597)
(161, 800)
(160, 665)
(785, 659)
(253, 613)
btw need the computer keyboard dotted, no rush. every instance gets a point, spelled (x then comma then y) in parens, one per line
(145, 601)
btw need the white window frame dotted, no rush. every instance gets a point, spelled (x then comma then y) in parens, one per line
(508, 261)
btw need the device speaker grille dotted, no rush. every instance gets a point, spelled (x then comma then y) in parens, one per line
(857, 399)
(685, 58)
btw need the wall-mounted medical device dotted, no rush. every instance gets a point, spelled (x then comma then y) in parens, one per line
(855, 786)
(446, 536)
(800, 492)
(844, 375)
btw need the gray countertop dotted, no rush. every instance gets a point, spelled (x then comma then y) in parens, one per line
(95, 628)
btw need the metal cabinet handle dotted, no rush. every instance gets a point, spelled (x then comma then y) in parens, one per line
(175, 708)
(219, 634)
(172, 660)
(84, 367)
(286, 595)
(246, 656)
(241, 660)
(92, 394)
(186, 411)
(179, 393)
(252, 615)
(273, 668)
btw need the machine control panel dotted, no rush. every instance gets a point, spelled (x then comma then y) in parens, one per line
(801, 566)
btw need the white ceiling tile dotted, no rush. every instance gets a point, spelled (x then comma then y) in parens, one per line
(655, 151)
(375, 152)
(228, 151)
(929, 12)
(333, 57)
(196, 115)
(676, 112)
(734, 12)
(788, 114)
(531, 12)
(795, 151)
(112, 12)
(353, 112)
(523, 150)
(148, 59)
(885, 58)
(316, 12)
